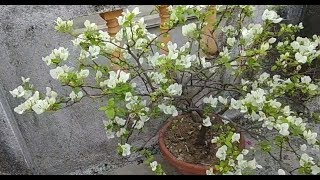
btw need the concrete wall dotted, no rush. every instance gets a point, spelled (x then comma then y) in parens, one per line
(58, 142)
(61, 142)
(311, 20)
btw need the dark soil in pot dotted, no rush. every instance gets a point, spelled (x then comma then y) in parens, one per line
(180, 139)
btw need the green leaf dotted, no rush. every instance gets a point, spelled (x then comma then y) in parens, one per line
(265, 146)
(228, 144)
(103, 108)
(111, 103)
(274, 68)
(110, 113)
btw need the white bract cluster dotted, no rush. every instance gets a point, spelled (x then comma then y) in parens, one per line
(171, 110)
(76, 96)
(248, 33)
(175, 89)
(125, 149)
(36, 104)
(158, 78)
(57, 55)
(271, 16)
(63, 26)
(189, 30)
(60, 71)
(115, 78)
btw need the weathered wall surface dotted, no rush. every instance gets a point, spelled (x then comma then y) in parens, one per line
(57, 142)
(311, 20)
(61, 142)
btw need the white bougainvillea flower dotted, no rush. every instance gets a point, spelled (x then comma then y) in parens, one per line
(286, 111)
(214, 140)
(83, 73)
(235, 137)
(274, 103)
(206, 122)
(40, 106)
(245, 151)
(173, 52)
(235, 104)
(25, 80)
(253, 164)
(125, 149)
(123, 77)
(60, 71)
(158, 78)
(310, 136)
(51, 96)
(300, 58)
(121, 132)
(57, 54)
(210, 171)
(104, 35)
(112, 81)
(78, 40)
(272, 40)
(168, 109)
(63, 25)
(281, 172)
(204, 63)
(27, 105)
(305, 159)
(295, 45)
(90, 26)
(312, 87)
(20, 109)
(153, 165)
(186, 61)
(136, 11)
(94, 50)
(189, 29)
(98, 74)
(212, 101)
(128, 96)
(61, 53)
(303, 147)
(283, 129)
(120, 121)
(305, 79)
(223, 100)
(75, 96)
(272, 16)
(264, 76)
(138, 124)
(315, 170)
(115, 78)
(175, 89)
(264, 46)
(154, 60)
(18, 92)
(55, 73)
(222, 153)
(110, 134)
(231, 41)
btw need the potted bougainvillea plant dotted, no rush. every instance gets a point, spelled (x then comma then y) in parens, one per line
(255, 85)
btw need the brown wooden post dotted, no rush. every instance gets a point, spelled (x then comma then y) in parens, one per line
(113, 28)
(208, 43)
(164, 17)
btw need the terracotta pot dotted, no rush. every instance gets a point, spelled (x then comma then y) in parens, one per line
(181, 166)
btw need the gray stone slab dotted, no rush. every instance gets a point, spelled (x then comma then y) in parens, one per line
(14, 156)
(62, 141)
